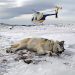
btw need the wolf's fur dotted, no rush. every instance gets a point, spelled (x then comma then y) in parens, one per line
(39, 45)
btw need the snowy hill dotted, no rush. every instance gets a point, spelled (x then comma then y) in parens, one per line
(63, 65)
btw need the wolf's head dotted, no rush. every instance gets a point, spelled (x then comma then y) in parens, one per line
(60, 47)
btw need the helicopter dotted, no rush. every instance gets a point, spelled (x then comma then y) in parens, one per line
(39, 17)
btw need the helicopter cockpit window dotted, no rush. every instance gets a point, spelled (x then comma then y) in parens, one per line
(32, 18)
(35, 16)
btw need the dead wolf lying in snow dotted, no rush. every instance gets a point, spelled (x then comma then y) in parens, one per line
(38, 45)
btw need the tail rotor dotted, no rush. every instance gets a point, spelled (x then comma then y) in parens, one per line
(57, 8)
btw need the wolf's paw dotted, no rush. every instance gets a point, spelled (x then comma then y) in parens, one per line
(9, 50)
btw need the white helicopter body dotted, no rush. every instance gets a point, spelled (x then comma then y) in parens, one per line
(39, 17)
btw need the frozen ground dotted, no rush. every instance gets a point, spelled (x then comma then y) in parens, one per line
(63, 65)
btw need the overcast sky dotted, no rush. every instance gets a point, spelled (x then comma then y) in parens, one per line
(18, 11)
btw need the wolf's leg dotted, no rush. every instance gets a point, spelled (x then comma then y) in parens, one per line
(40, 51)
(12, 48)
(49, 53)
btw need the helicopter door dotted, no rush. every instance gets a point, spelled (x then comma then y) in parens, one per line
(35, 16)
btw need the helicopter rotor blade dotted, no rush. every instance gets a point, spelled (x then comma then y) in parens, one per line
(35, 11)
(58, 7)
(50, 11)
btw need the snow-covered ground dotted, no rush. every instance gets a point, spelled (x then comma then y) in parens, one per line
(62, 65)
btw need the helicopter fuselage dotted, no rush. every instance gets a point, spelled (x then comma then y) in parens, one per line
(41, 19)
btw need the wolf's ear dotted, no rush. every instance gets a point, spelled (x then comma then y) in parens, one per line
(61, 42)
